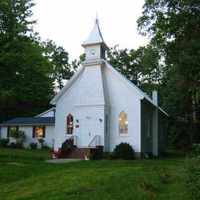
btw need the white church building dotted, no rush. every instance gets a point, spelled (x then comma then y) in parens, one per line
(98, 107)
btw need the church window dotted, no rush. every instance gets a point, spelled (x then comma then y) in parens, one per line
(148, 127)
(39, 132)
(11, 129)
(70, 124)
(123, 123)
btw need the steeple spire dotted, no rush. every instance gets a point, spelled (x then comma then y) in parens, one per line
(95, 36)
(95, 47)
(97, 18)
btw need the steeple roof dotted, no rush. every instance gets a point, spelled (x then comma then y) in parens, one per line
(95, 36)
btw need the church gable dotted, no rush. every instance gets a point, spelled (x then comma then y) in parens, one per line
(120, 80)
(67, 86)
(70, 94)
(87, 89)
(118, 89)
(132, 87)
(91, 87)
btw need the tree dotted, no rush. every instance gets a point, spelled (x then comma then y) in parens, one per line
(77, 62)
(25, 83)
(59, 59)
(140, 66)
(15, 18)
(26, 86)
(174, 29)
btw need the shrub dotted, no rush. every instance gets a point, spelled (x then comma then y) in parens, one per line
(148, 155)
(19, 145)
(4, 142)
(193, 178)
(41, 141)
(67, 145)
(124, 151)
(96, 154)
(15, 145)
(33, 145)
(108, 155)
(19, 136)
(12, 145)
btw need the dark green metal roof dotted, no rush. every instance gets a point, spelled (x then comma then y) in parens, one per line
(30, 121)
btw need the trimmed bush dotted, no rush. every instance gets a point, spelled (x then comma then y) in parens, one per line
(33, 145)
(4, 142)
(193, 178)
(124, 151)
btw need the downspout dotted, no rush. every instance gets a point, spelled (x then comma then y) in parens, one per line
(155, 123)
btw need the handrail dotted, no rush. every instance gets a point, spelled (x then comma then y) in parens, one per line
(96, 140)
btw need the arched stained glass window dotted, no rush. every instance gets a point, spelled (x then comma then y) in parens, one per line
(123, 123)
(70, 124)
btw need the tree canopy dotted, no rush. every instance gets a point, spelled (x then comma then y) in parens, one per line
(30, 68)
(174, 28)
(140, 66)
(26, 84)
(59, 59)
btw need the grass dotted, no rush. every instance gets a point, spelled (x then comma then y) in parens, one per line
(25, 176)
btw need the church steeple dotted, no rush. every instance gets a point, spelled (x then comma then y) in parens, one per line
(94, 45)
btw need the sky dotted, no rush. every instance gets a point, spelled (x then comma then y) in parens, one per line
(69, 22)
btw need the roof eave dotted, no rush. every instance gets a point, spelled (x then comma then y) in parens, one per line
(85, 44)
(152, 103)
(49, 110)
(67, 86)
(31, 124)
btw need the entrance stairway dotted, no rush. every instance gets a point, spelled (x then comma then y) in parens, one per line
(83, 153)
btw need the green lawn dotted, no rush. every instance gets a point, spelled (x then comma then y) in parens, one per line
(25, 176)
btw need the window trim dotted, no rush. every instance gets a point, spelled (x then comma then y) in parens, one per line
(120, 133)
(8, 130)
(34, 133)
(69, 130)
(148, 127)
